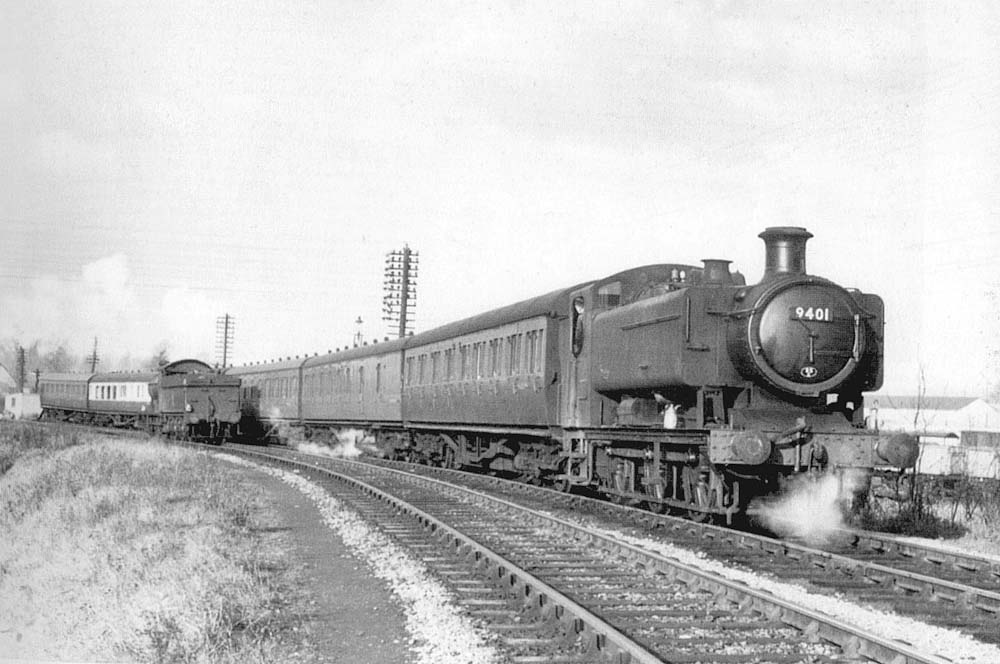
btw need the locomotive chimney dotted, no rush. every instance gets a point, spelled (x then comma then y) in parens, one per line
(716, 272)
(786, 250)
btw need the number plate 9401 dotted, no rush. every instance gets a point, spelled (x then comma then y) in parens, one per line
(812, 314)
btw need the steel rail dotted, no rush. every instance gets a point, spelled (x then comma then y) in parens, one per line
(882, 575)
(933, 555)
(852, 640)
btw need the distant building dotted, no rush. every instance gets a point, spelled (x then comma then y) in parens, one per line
(941, 416)
(22, 406)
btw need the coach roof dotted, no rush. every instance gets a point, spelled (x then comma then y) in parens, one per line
(64, 377)
(126, 377)
(555, 303)
(266, 367)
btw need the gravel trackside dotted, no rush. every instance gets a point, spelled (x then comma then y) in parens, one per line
(950, 644)
(438, 630)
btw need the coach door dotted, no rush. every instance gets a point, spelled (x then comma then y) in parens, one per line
(577, 402)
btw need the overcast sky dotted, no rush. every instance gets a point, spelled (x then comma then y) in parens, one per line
(168, 162)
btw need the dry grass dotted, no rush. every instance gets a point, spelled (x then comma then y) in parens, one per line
(963, 510)
(138, 551)
(22, 440)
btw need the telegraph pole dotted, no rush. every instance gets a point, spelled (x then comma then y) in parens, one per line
(93, 358)
(400, 287)
(225, 327)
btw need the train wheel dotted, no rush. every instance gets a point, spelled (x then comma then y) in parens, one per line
(696, 491)
(656, 492)
(698, 516)
(563, 484)
(655, 507)
(448, 458)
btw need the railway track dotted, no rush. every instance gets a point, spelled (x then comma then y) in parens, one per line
(559, 591)
(948, 589)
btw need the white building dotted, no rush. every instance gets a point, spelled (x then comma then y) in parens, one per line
(937, 415)
(22, 406)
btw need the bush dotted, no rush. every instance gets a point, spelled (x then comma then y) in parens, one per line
(932, 506)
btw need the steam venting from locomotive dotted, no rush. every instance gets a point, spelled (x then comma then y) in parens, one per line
(813, 509)
(786, 250)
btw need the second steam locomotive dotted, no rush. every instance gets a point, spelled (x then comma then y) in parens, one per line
(672, 386)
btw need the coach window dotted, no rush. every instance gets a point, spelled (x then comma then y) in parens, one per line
(512, 355)
(378, 378)
(530, 351)
(577, 325)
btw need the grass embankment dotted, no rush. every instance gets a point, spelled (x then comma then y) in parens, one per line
(134, 550)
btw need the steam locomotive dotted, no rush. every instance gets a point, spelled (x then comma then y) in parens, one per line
(673, 386)
(185, 399)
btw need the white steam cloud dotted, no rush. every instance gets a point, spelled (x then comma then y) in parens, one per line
(350, 444)
(813, 509)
